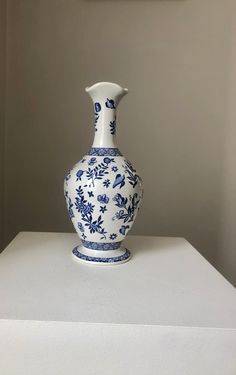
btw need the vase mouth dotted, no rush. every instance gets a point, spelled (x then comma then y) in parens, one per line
(107, 88)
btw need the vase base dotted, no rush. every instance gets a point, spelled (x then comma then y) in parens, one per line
(101, 258)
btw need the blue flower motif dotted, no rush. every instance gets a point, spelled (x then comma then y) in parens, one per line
(103, 198)
(90, 193)
(92, 161)
(110, 103)
(120, 201)
(120, 180)
(83, 160)
(108, 160)
(119, 214)
(103, 209)
(123, 229)
(106, 183)
(79, 174)
(97, 107)
(113, 236)
(114, 169)
(81, 227)
(128, 212)
(88, 209)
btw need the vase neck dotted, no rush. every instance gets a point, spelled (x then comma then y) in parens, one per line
(105, 126)
(106, 97)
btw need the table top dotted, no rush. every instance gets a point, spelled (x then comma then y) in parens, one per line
(166, 283)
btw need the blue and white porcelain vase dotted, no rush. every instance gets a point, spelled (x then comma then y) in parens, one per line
(103, 191)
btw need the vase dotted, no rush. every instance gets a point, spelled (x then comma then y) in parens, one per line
(103, 191)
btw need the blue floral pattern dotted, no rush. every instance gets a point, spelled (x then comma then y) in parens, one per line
(69, 205)
(104, 151)
(96, 173)
(103, 192)
(88, 258)
(131, 172)
(128, 209)
(101, 245)
(103, 173)
(86, 210)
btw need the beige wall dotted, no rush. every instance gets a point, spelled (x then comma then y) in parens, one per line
(175, 58)
(2, 109)
(227, 249)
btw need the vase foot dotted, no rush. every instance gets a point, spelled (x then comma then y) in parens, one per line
(104, 258)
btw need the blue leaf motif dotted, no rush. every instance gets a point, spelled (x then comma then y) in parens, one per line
(132, 176)
(112, 127)
(97, 173)
(97, 107)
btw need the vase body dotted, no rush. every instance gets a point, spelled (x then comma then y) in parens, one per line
(103, 191)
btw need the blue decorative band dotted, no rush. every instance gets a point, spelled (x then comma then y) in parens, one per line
(87, 258)
(101, 151)
(101, 245)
